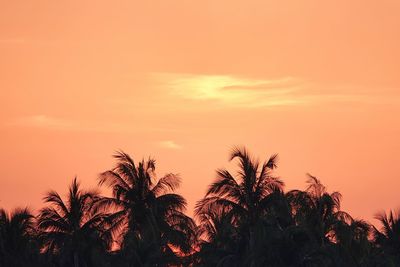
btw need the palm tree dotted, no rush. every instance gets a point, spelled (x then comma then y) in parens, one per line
(351, 238)
(17, 238)
(243, 196)
(220, 244)
(317, 209)
(148, 217)
(388, 237)
(73, 230)
(318, 213)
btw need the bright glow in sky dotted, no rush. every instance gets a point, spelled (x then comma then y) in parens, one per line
(232, 91)
(315, 81)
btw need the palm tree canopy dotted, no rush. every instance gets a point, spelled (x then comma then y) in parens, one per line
(244, 191)
(389, 234)
(17, 238)
(17, 225)
(234, 207)
(146, 208)
(16, 228)
(73, 226)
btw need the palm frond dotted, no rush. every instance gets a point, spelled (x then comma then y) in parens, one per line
(112, 178)
(224, 184)
(272, 162)
(168, 183)
(171, 202)
(54, 198)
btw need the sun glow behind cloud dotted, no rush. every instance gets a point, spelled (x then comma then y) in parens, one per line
(234, 91)
(230, 91)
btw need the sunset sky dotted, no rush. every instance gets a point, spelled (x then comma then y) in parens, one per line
(184, 81)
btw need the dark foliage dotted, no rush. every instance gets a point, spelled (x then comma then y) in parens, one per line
(245, 219)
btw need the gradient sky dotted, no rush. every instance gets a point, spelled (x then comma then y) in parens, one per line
(315, 81)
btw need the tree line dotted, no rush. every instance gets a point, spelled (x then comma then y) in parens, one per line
(244, 219)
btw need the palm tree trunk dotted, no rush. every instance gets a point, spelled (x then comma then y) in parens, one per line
(76, 260)
(251, 246)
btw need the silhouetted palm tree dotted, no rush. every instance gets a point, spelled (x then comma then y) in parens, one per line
(148, 215)
(245, 219)
(278, 240)
(317, 209)
(17, 239)
(351, 238)
(221, 238)
(74, 231)
(318, 213)
(388, 237)
(242, 196)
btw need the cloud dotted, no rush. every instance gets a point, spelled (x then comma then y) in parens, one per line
(53, 123)
(222, 91)
(44, 121)
(169, 144)
(234, 91)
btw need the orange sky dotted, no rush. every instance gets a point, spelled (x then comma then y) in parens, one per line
(315, 81)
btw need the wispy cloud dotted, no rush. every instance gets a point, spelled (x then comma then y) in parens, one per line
(211, 91)
(54, 123)
(169, 144)
(44, 121)
(234, 91)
